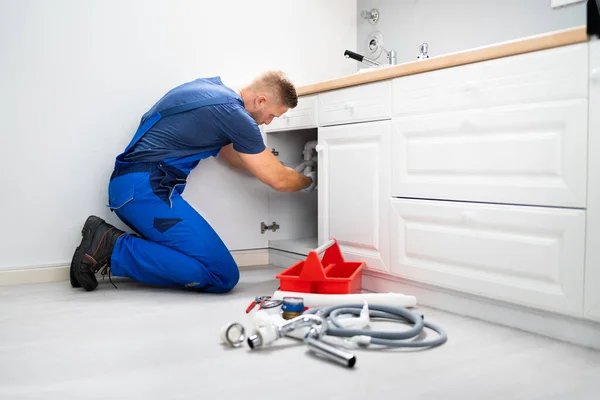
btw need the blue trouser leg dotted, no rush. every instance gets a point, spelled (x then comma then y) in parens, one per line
(178, 247)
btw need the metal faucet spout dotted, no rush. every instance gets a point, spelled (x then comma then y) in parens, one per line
(267, 334)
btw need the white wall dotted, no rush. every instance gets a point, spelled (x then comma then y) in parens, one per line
(454, 25)
(76, 76)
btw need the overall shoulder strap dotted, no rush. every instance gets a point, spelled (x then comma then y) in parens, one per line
(149, 123)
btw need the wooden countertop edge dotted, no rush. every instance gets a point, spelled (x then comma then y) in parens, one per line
(521, 46)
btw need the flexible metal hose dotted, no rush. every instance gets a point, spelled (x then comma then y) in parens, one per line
(384, 338)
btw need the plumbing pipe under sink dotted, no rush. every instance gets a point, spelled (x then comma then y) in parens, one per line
(309, 147)
(310, 160)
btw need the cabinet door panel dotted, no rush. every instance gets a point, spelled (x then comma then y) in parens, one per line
(236, 205)
(354, 190)
(527, 154)
(532, 256)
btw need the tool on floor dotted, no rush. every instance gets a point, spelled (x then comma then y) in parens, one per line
(233, 334)
(293, 306)
(265, 334)
(325, 329)
(321, 304)
(265, 303)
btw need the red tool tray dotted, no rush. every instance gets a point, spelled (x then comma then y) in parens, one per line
(331, 275)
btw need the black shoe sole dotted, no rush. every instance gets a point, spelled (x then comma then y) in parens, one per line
(72, 277)
(88, 234)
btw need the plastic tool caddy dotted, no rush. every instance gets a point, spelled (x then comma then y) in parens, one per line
(331, 275)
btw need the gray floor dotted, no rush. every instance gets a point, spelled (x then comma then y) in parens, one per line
(141, 342)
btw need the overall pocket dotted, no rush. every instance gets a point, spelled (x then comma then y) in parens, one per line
(121, 191)
(165, 179)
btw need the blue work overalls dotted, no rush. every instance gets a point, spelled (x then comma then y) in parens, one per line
(177, 246)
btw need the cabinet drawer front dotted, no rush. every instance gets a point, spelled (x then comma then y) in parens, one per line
(368, 102)
(303, 116)
(532, 256)
(554, 74)
(531, 154)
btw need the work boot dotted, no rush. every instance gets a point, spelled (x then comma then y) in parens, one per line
(94, 252)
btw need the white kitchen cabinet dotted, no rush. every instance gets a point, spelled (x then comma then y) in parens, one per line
(475, 188)
(522, 154)
(531, 256)
(592, 276)
(354, 191)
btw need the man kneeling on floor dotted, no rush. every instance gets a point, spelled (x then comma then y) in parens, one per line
(174, 245)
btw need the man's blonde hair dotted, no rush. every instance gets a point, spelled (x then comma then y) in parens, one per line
(280, 84)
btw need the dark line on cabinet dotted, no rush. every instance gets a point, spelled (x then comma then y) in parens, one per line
(490, 203)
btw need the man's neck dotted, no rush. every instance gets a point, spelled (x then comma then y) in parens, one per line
(243, 94)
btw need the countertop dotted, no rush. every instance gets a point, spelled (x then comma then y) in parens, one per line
(504, 49)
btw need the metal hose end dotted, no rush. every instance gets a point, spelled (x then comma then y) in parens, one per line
(330, 352)
(254, 341)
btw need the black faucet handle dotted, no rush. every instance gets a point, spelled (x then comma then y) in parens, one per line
(353, 55)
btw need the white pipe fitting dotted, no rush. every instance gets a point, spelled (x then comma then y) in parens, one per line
(308, 149)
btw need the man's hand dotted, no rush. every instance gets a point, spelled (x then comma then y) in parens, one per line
(269, 170)
(312, 175)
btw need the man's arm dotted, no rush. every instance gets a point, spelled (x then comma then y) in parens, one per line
(269, 170)
(229, 154)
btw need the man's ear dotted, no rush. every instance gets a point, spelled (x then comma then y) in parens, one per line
(260, 101)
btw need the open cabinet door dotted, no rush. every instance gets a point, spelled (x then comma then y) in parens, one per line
(234, 203)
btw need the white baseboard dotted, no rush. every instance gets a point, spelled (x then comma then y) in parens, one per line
(245, 258)
(34, 275)
(251, 258)
(568, 329)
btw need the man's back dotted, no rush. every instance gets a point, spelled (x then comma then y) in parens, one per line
(200, 130)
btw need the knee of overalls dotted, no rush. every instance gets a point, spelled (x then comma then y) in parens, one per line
(228, 276)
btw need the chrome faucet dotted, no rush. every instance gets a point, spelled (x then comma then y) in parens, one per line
(391, 56)
(423, 49)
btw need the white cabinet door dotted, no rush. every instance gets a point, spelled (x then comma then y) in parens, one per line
(592, 276)
(234, 203)
(524, 154)
(531, 256)
(354, 192)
